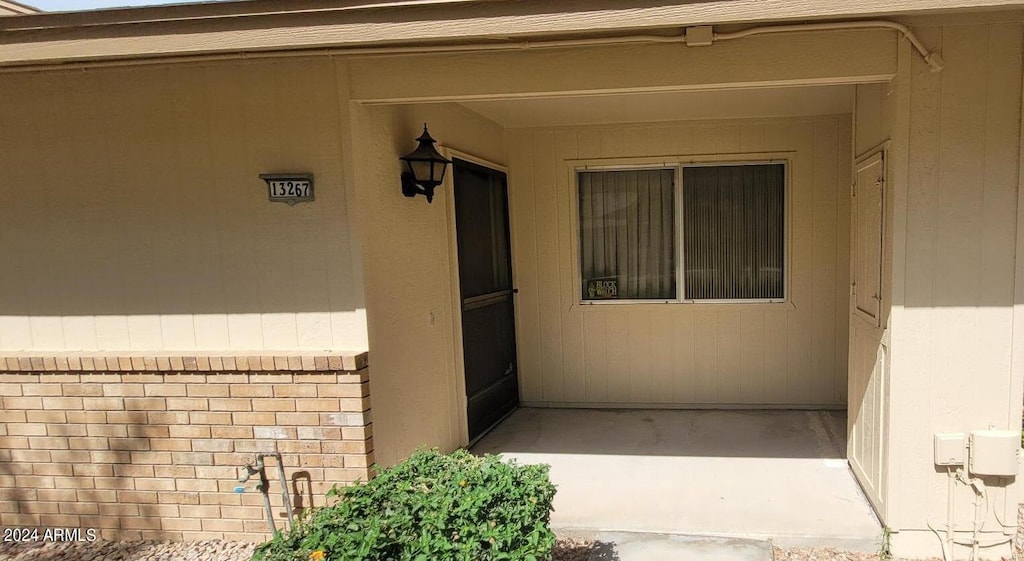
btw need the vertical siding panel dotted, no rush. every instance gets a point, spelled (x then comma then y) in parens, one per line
(708, 372)
(841, 297)
(276, 300)
(240, 265)
(729, 348)
(207, 286)
(79, 324)
(663, 343)
(752, 138)
(751, 357)
(177, 243)
(595, 349)
(918, 323)
(826, 190)
(959, 207)
(546, 231)
(111, 329)
(15, 329)
(800, 319)
(309, 87)
(776, 328)
(142, 163)
(995, 276)
(572, 365)
(639, 345)
(684, 358)
(776, 359)
(41, 259)
(521, 164)
(681, 140)
(617, 349)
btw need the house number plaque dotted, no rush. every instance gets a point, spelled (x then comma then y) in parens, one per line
(289, 188)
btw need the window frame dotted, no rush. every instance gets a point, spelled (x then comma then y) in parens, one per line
(679, 164)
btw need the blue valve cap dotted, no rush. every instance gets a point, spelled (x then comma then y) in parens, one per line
(240, 489)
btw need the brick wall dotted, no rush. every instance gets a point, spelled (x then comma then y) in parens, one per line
(150, 447)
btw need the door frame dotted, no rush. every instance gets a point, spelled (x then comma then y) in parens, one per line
(461, 419)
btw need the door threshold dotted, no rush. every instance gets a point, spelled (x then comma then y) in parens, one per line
(492, 427)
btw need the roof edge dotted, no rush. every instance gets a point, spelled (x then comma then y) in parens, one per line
(685, 13)
(293, 25)
(18, 8)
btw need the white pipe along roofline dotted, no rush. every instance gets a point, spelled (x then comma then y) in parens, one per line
(931, 57)
(695, 36)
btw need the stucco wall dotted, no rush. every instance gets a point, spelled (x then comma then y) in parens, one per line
(683, 354)
(408, 274)
(132, 217)
(956, 246)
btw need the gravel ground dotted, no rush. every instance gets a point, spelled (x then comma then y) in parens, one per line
(104, 550)
(835, 555)
(571, 549)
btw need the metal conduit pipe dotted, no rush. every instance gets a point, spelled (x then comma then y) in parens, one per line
(263, 487)
(931, 57)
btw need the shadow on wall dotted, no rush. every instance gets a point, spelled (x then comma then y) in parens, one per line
(147, 199)
(705, 433)
(126, 473)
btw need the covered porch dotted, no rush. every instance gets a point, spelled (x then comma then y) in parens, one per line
(779, 475)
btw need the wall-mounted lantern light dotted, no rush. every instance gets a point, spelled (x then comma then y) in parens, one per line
(426, 167)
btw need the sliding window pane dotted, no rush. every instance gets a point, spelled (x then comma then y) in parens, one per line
(627, 234)
(734, 232)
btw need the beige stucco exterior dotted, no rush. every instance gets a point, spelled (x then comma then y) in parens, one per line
(409, 273)
(132, 219)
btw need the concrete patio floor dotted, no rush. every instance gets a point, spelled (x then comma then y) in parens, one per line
(779, 475)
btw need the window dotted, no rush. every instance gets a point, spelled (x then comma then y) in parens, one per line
(627, 234)
(729, 246)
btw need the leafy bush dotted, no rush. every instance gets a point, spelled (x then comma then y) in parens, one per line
(431, 507)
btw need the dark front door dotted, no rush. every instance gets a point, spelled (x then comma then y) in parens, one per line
(485, 278)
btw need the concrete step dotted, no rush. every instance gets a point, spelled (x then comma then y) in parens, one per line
(643, 546)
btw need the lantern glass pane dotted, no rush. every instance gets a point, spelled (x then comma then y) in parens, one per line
(421, 170)
(437, 173)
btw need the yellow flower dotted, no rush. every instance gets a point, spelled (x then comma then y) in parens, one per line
(463, 483)
(317, 555)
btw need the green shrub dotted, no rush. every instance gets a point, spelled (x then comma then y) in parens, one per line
(431, 507)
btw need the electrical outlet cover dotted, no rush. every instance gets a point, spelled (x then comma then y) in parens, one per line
(994, 452)
(950, 448)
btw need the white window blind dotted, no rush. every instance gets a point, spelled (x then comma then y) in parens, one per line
(627, 234)
(734, 231)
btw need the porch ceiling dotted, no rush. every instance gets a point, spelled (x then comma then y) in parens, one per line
(667, 106)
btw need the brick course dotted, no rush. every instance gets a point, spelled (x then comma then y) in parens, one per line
(148, 447)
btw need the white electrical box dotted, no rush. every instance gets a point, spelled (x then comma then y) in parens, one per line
(950, 449)
(700, 36)
(994, 452)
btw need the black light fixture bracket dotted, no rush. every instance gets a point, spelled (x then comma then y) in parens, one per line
(410, 188)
